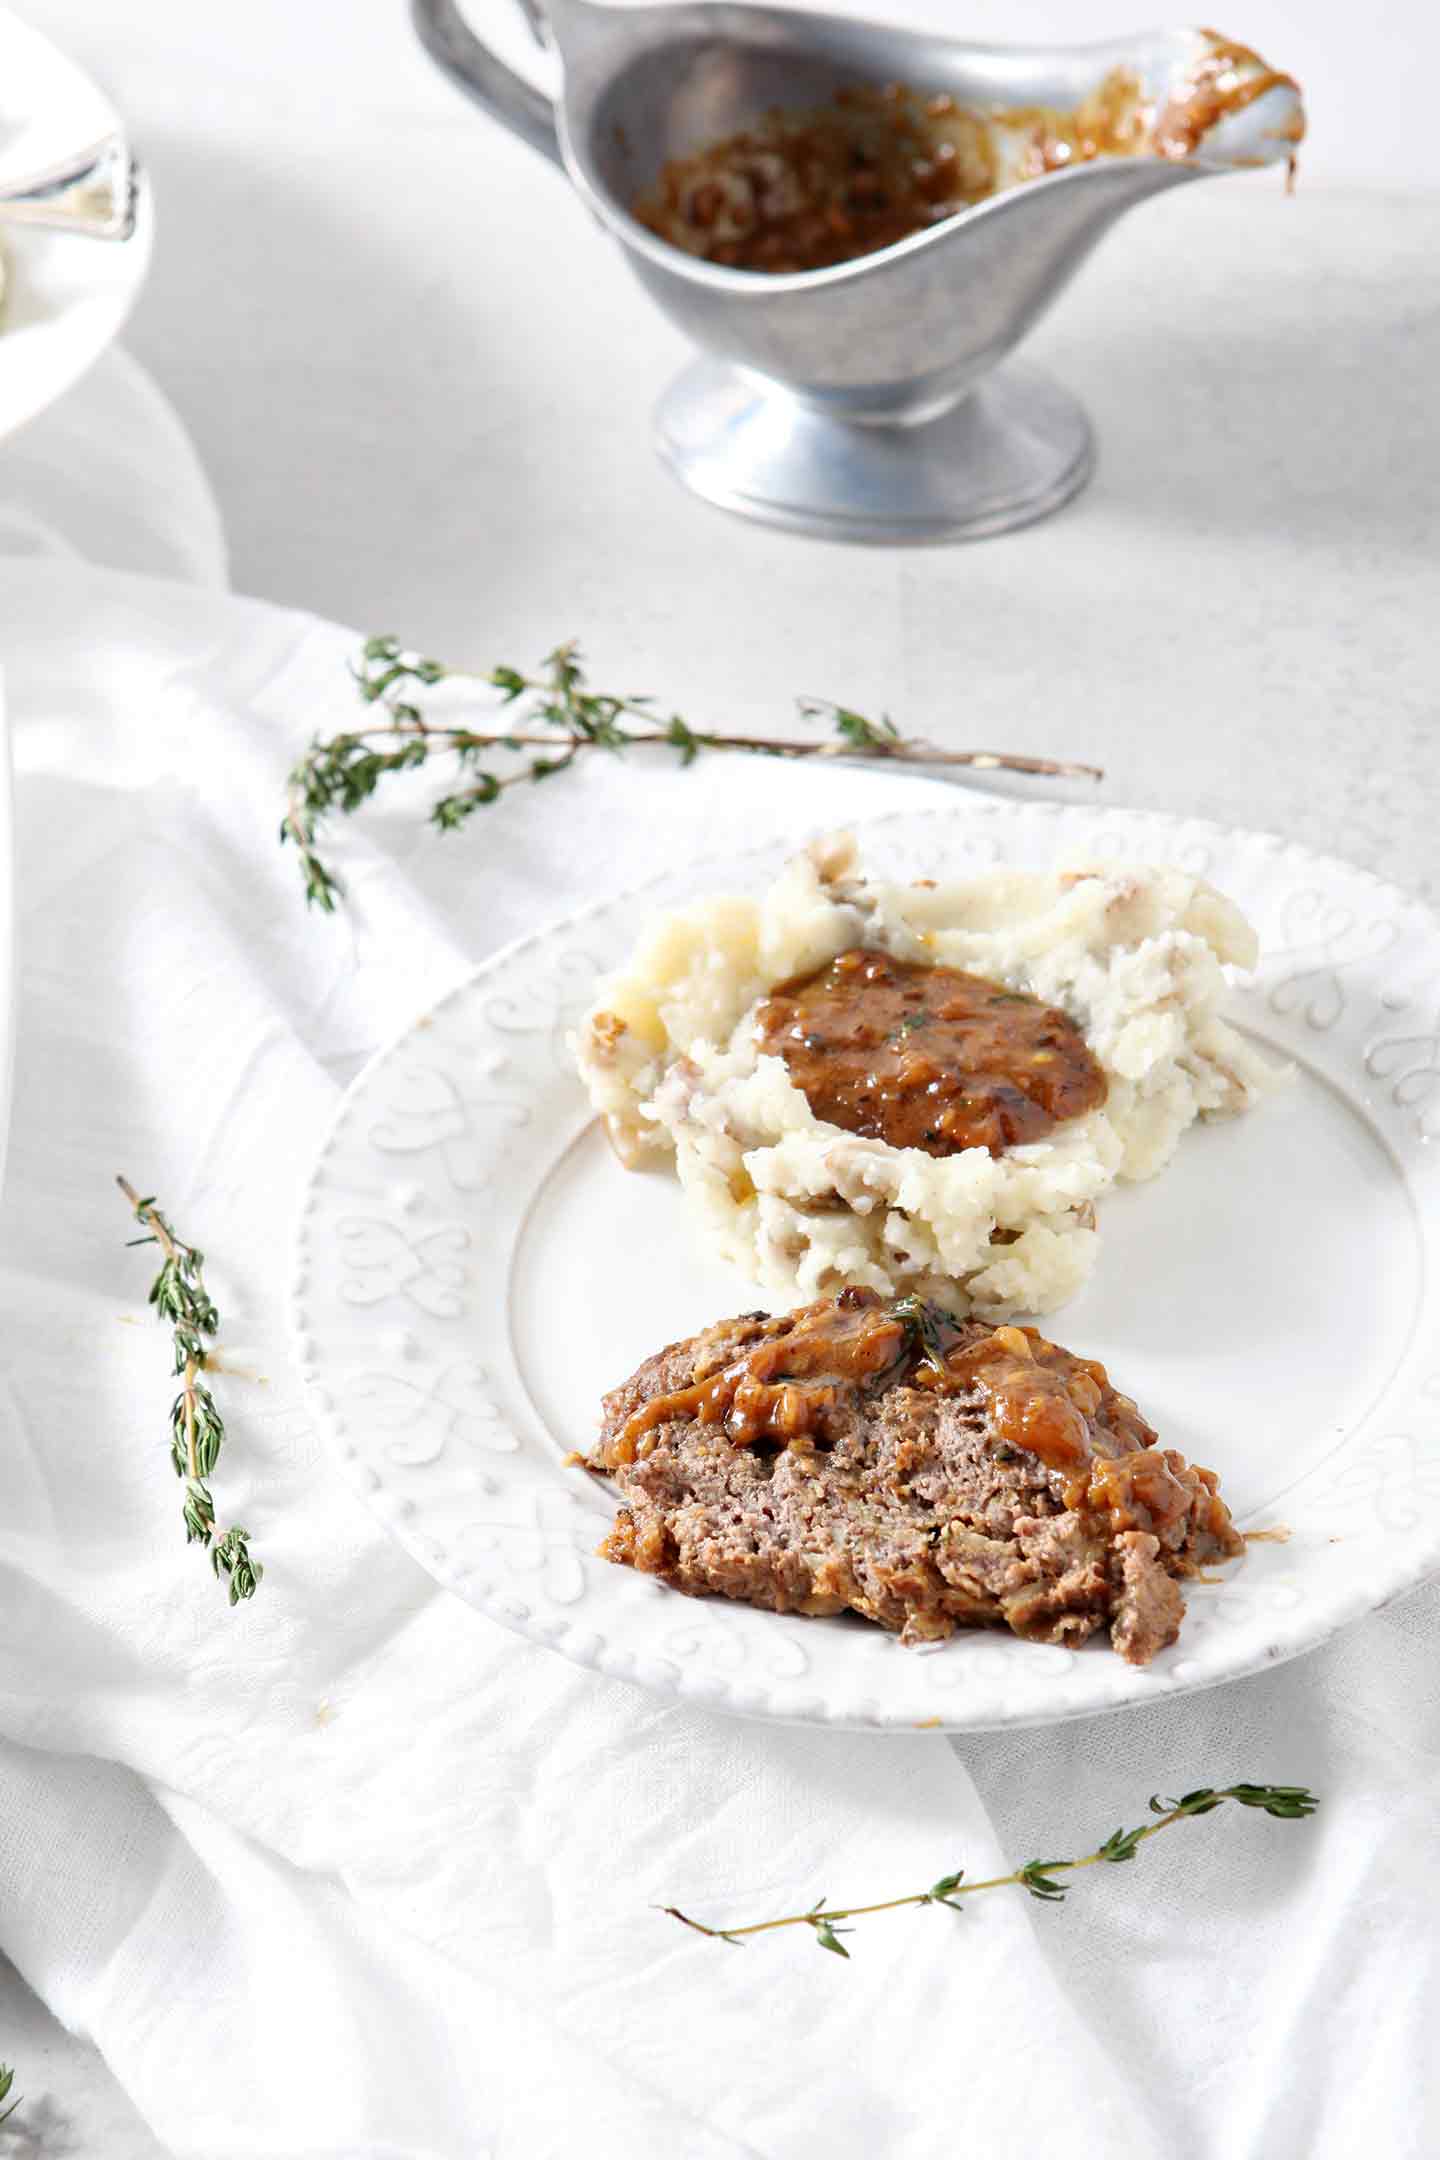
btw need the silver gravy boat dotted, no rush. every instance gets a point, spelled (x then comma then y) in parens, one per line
(862, 401)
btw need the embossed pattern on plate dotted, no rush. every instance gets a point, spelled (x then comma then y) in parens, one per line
(472, 1272)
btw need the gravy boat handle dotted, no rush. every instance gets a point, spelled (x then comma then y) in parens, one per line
(517, 104)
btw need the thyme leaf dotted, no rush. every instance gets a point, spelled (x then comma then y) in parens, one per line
(828, 1937)
(1286, 1803)
(927, 1325)
(558, 718)
(917, 1019)
(7, 2079)
(197, 1431)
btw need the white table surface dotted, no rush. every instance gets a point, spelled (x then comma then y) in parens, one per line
(421, 382)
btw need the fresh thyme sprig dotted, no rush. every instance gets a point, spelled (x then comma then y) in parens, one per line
(7, 2079)
(927, 1325)
(1288, 1803)
(197, 1431)
(558, 719)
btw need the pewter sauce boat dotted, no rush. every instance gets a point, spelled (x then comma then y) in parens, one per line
(863, 401)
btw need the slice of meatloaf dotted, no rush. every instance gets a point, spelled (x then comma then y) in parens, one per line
(882, 1458)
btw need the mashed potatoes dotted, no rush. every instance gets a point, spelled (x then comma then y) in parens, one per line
(1135, 956)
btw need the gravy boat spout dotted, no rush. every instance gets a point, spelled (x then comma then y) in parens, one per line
(864, 399)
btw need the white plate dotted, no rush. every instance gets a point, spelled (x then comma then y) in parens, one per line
(67, 296)
(474, 1270)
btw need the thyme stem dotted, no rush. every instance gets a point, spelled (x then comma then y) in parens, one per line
(563, 719)
(1287, 1803)
(197, 1431)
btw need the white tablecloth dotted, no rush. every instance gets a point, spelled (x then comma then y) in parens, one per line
(349, 1871)
(363, 1827)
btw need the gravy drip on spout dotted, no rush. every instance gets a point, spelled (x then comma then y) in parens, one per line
(1217, 87)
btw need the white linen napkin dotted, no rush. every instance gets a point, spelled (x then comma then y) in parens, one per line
(355, 1864)
(109, 476)
(351, 1871)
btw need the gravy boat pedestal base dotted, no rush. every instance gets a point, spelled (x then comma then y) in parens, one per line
(1016, 448)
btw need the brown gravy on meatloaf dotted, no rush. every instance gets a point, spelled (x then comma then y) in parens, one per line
(787, 1386)
(1055, 1406)
(928, 1057)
